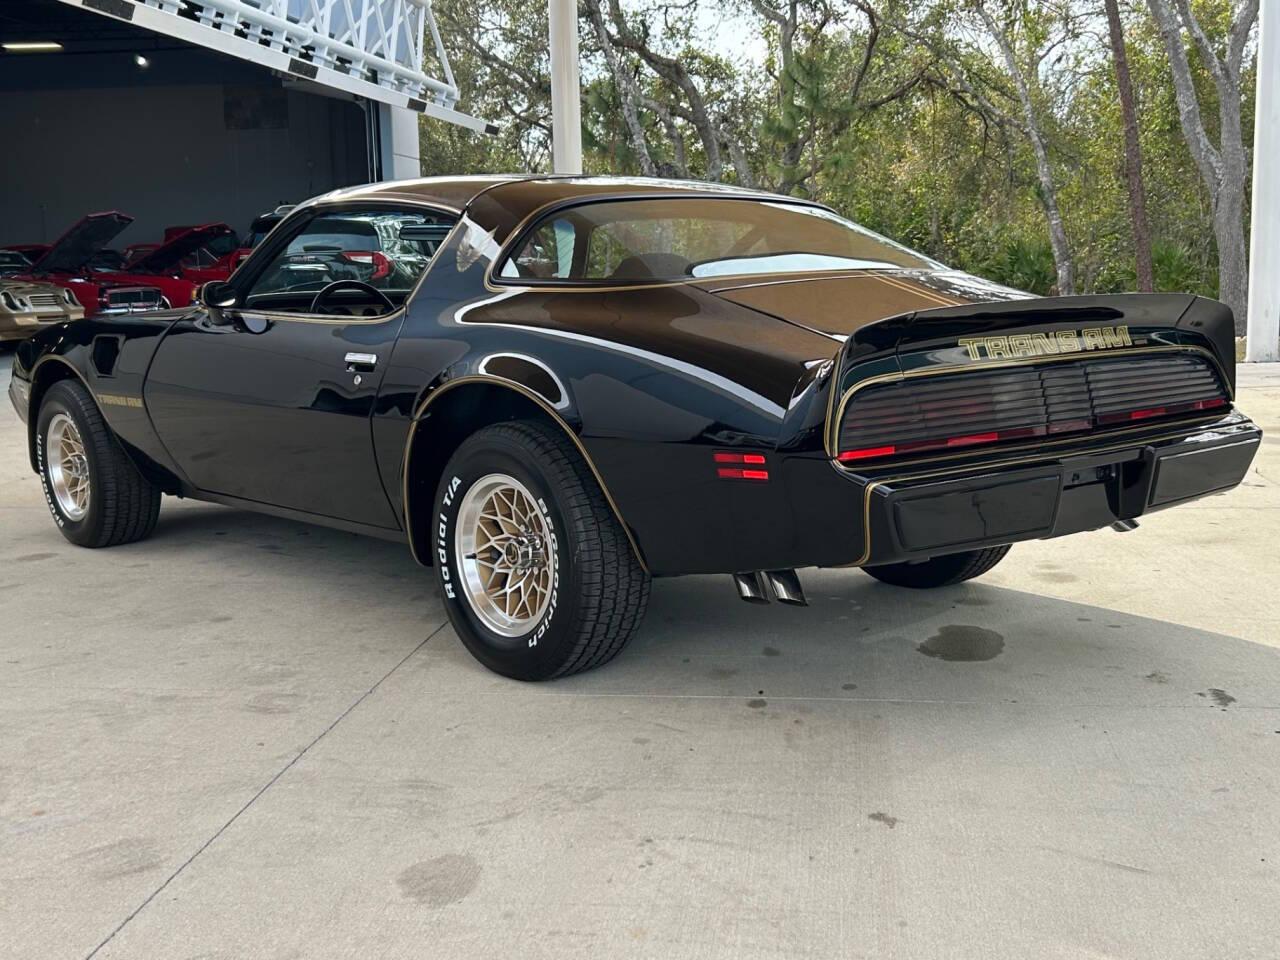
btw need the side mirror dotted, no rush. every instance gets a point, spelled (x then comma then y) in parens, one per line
(215, 296)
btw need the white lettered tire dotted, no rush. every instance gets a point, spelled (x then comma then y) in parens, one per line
(536, 572)
(95, 493)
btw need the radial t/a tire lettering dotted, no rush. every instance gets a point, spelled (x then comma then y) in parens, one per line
(536, 572)
(95, 493)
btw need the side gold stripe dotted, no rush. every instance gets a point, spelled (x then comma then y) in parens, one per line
(546, 408)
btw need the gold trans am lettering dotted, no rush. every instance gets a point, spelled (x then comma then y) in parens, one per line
(115, 400)
(1044, 344)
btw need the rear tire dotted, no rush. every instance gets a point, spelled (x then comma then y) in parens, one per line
(939, 571)
(95, 493)
(536, 572)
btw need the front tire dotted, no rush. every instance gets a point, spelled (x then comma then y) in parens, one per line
(95, 493)
(536, 572)
(940, 571)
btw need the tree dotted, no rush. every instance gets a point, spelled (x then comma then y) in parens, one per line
(1132, 152)
(1225, 168)
(1031, 128)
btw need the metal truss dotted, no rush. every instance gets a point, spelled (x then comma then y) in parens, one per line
(369, 48)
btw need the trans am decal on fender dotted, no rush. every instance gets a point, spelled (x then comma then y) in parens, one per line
(555, 389)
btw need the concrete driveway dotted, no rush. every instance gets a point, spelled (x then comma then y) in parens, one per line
(249, 738)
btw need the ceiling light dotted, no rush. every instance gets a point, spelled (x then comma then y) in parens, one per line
(35, 46)
(141, 61)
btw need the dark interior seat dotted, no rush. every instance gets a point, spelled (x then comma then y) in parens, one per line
(649, 266)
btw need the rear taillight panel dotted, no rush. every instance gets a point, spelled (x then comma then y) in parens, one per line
(958, 411)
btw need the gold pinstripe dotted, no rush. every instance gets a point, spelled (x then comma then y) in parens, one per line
(547, 408)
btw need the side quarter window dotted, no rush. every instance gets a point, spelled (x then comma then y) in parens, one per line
(547, 253)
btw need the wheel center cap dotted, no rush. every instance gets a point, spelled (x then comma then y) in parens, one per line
(523, 552)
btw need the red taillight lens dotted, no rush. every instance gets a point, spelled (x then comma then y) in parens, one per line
(735, 473)
(866, 454)
(981, 409)
(380, 262)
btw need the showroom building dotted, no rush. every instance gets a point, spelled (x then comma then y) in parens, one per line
(179, 113)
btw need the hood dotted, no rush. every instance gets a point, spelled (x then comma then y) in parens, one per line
(841, 304)
(25, 288)
(71, 251)
(166, 257)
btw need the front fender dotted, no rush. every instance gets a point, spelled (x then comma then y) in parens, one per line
(109, 357)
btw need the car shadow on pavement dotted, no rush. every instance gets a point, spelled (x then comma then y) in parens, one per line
(858, 639)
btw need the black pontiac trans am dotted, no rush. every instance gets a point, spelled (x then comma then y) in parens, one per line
(554, 389)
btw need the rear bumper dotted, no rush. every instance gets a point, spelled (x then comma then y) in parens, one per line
(939, 511)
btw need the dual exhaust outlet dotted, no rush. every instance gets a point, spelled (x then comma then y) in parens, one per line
(759, 586)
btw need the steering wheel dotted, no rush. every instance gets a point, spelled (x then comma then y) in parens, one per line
(337, 285)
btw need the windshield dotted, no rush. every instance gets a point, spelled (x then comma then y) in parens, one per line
(679, 238)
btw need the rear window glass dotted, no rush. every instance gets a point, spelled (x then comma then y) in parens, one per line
(680, 238)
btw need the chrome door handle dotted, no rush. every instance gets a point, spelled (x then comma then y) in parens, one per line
(361, 361)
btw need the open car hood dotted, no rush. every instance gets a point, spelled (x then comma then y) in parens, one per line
(164, 258)
(72, 250)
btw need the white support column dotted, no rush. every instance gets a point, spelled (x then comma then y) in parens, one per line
(398, 142)
(566, 107)
(1264, 244)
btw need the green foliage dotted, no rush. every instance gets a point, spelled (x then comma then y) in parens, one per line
(889, 138)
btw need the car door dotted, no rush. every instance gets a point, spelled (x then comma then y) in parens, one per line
(269, 399)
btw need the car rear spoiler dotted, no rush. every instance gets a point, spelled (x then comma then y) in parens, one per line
(1019, 329)
(995, 332)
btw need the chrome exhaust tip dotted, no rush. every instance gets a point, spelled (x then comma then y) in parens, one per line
(785, 587)
(1124, 526)
(751, 587)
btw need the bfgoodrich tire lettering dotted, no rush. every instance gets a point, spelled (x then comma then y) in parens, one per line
(940, 571)
(121, 506)
(565, 536)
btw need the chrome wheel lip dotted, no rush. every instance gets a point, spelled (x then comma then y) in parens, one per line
(507, 554)
(68, 467)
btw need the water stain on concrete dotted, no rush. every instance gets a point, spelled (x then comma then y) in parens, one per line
(1219, 697)
(1155, 676)
(771, 652)
(963, 643)
(884, 818)
(1054, 577)
(848, 686)
(274, 704)
(439, 881)
(974, 601)
(33, 557)
(721, 673)
(122, 858)
(757, 704)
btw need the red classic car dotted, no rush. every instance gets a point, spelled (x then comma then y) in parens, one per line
(70, 261)
(66, 264)
(199, 254)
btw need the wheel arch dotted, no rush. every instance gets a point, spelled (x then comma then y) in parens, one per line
(453, 411)
(49, 370)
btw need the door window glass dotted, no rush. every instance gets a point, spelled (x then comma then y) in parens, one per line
(385, 249)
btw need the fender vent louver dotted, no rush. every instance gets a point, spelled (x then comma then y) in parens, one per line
(106, 351)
